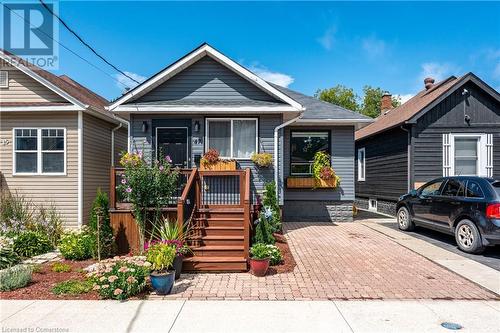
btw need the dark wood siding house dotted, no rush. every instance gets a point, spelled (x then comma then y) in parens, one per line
(449, 128)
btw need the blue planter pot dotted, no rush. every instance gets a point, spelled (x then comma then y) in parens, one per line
(178, 266)
(163, 282)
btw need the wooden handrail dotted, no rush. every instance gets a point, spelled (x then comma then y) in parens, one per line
(189, 183)
(247, 185)
(180, 203)
(222, 173)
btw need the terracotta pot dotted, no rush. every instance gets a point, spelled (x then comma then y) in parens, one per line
(259, 267)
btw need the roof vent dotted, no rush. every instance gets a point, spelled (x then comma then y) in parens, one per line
(429, 83)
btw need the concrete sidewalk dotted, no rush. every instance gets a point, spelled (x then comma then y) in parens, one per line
(247, 316)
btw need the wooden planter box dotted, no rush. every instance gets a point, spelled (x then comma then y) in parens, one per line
(222, 165)
(309, 182)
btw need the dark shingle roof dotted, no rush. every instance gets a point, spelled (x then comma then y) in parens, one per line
(317, 109)
(210, 102)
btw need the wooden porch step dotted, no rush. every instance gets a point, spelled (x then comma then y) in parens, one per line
(220, 221)
(218, 240)
(219, 251)
(221, 212)
(220, 230)
(215, 264)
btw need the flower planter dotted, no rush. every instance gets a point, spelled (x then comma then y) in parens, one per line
(309, 182)
(178, 266)
(163, 282)
(259, 267)
(222, 165)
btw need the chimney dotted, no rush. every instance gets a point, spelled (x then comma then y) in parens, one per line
(428, 83)
(386, 102)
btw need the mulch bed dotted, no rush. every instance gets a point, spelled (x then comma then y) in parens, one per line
(288, 263)
(44, 279)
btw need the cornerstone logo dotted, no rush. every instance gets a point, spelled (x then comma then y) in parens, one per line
(31, 31)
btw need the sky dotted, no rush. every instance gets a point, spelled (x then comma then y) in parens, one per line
(305, 46)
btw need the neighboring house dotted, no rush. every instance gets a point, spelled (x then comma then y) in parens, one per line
(449, 128)
(206, 100)
(55, 139)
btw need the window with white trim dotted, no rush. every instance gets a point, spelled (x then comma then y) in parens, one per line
(4, 79)
(361, 164)
(467, 154)
(232, 138)
(40, 151)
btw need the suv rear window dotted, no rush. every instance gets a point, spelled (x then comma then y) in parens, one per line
(474, 190)
(496, 186)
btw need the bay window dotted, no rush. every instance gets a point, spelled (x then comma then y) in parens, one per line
(303, 146)
(232, 138)
(39, 151)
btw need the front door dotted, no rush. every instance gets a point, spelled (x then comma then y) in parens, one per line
(172, 141)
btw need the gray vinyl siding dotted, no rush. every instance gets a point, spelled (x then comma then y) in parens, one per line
(386, 169)
(448, 117)
(342, 151)
(207, 80)
(266, 124)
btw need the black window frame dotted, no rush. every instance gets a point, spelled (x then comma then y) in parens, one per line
(329, 151)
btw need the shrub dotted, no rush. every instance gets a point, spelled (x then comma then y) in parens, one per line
(259, 251)
(72, 287)
(263, 231)
(15, 277)
(106, 239)
(264, 160)
(120, 277)
(161, 256)
(31, 243)
(15, 212)
(8, 257)
(270, 201)
(60, 267)
(77, 244)
(50, 223)
(274, 254)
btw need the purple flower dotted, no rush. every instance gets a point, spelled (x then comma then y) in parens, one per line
(128, 190)
(161, 168)
(168, 159)
(124, 181)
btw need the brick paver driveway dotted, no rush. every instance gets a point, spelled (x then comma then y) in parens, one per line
(342, 261)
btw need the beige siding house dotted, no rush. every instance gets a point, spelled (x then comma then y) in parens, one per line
(56, 139)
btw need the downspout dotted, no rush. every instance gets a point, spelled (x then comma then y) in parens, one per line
(276, 153)
(113, 143)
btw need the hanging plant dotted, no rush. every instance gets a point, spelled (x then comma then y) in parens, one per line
(323, 173)
(263, 160)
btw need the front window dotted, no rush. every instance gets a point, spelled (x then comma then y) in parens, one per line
(303, 147)
(39, 151)
(466, 155)
(232, 138)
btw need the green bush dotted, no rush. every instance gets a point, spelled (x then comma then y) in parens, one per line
(8, 257)
(106, 239)
(72, 287)
(274, 254)
(15, 277)
(269, 200)
(15, 212)
(31, 243)
(50, 223)
(77, 244)
(263, 230)
(60, 267)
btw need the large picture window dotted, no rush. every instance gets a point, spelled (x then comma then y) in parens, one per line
(39, 151)
(232, 138)
(303, 146)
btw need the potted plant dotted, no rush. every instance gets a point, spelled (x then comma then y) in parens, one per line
(259, 259)
(212, 162)
(323, 175)
(161, 256)
(263, 160)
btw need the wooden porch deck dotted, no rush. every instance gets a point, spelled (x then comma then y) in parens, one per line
(215, 205)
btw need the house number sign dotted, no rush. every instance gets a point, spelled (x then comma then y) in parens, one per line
(4, 142)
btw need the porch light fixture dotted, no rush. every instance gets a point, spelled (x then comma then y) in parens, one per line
(144, 126)
(197, 126)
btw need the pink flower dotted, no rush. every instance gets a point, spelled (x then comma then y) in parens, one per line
(117, 292)
(161, 168)
(131, 279)
(96, 287)
(105, 286)
(124, 181)
(123, 269)
(128, 190)
(168, 159)
(112, 278)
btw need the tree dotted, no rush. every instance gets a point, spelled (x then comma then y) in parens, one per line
(372, 101)
(339, 95)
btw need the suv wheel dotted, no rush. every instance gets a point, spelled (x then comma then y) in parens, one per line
(468, 237)
(404, 219)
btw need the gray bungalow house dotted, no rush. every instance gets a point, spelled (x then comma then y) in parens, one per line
(206, 100)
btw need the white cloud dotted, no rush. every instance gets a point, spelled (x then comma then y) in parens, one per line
(403, 98)
(124, 81)
(373, 46)
(437, 71)
(328, 38)
(280, 79)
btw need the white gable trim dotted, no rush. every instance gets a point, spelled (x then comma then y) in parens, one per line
(17, 64)
(192, 58)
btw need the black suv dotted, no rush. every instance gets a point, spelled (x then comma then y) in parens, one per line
(468, 207)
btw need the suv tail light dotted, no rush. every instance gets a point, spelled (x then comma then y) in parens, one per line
(493, 211)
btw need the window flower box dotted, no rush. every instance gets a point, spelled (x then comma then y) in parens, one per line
(221, 165)
(310, 182)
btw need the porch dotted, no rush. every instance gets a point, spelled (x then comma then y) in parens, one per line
(216, 206)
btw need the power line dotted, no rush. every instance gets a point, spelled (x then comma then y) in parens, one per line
(68, 49)
(86, 44)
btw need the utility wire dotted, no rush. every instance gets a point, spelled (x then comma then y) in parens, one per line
(86, 44)
(69, 50)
